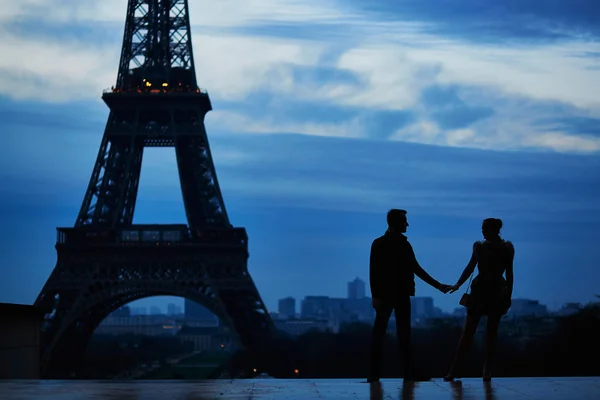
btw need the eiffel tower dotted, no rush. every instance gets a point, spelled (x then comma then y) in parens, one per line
(105, 261)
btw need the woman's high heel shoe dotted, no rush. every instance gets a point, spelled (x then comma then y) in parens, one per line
(487, 375)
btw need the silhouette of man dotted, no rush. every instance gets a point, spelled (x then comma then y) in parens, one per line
(392, 270)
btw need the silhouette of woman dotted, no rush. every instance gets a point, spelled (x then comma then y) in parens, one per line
(490, 292)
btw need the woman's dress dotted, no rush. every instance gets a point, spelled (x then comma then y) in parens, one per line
(489, 291)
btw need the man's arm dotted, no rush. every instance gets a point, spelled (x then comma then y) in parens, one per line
(421, 273)
(375, 271)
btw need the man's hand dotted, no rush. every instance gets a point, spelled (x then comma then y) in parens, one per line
(377, 303)
(454, 288)
(444, 288)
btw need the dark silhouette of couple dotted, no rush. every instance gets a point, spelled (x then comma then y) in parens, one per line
(392, 271)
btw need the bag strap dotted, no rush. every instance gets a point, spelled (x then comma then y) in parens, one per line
(470, 279)
(472, 273)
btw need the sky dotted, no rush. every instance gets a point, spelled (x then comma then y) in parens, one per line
(327, 114)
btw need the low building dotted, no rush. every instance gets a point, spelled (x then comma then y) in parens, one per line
(300, 327)
(149, 325)
(206, 338)
(20, 328)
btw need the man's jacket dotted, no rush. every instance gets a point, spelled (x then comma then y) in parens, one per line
(393, 266)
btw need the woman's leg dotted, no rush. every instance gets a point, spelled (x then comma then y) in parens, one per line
(464, 343)
(491, 337)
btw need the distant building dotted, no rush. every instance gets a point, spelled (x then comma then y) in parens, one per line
(569, 309)
(206, 338)
(315, 307)
(527, 308)
(275, 315)
(196, 312)
(149, 325)
(155, 310)
(356, 289)
(300, 327)
(360, 309)
(336, 310)
(422, 308)
(173, 309)
(459, 312)
(139, 311)
(438, 313)
(121, 312)
(287, 307)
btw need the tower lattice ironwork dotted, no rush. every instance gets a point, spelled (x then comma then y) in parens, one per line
(105, 261)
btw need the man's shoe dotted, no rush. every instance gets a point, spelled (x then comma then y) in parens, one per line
(372, 380)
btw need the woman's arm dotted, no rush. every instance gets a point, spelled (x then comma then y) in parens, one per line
(469, 268)
(510, 278)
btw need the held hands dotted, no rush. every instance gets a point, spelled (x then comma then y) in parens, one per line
(378, 303)
(444, 288)
(447, 288)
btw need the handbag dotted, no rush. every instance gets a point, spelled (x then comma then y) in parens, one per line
(464, 300)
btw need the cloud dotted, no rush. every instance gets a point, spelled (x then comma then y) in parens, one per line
(273, 67)
(500, 137)
(514, 21)
(225, 13)
(274, 113)
(563, 142)
(53, 71)
(235, 66)
(78, 66)
(314, 172)
(449, 110)
(393, 61)
(239, 123)
(542, 73)
(572, 124)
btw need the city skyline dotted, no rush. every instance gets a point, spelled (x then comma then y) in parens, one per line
(326, 116)
(148, 303)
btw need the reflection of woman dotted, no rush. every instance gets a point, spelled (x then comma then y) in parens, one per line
(457, 390)
(490, 292)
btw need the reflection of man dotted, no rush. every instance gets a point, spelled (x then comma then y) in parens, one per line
(392, 275)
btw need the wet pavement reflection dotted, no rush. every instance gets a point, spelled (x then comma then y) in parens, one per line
(303, 389)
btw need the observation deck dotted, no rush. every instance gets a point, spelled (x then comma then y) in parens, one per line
(156, 94)
(152, 236)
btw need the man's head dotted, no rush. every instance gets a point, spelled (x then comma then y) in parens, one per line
(397, 220)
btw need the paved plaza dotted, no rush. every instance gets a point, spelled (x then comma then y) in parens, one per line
(301, 389)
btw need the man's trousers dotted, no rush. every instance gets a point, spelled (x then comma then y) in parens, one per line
(401, 308)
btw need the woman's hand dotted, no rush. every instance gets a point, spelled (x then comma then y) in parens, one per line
(454, 288)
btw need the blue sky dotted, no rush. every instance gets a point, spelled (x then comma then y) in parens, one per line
(326, 114)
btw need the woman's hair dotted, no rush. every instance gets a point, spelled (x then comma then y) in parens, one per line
(492, 225)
